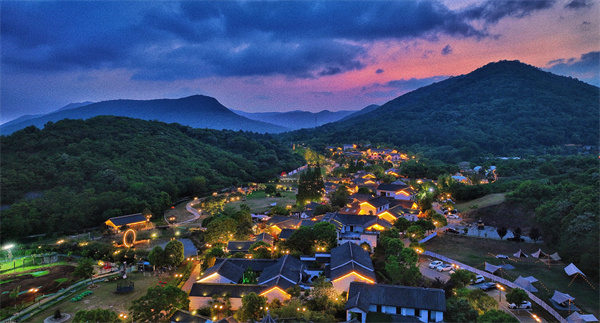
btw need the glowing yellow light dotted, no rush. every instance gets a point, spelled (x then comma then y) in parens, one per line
(130, 231)
(275, 289)
(355, 274)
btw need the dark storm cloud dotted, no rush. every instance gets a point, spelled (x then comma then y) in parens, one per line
(171, 40)
(586, 68)
(578, 4)
(492, 11)
(447, 50)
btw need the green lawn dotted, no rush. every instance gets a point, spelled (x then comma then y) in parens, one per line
(475, 252)
(260, 203)
(103, 297)
(488, 200)
(8, 270)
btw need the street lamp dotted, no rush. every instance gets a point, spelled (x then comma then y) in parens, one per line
(7, 248)
(34, 290)
(500, 289)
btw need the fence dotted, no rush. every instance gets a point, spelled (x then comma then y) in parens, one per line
(429, 237)
(501, 280)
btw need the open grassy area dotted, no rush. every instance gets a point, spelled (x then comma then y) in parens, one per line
(476, 251)
(488, 200)
(260, 203)
(8, 268)
(103, 297)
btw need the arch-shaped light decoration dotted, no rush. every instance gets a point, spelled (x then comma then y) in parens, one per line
(132, 232)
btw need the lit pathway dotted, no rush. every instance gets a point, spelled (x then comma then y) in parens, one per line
(187, 287)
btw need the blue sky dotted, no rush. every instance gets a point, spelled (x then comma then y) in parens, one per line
(277, 55)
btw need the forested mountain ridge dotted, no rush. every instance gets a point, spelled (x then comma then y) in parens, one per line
(88, 171)
(502, 108)
(196, 111)
(294, 120)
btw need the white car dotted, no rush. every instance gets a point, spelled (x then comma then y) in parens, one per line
(525, 304)
(445, 267)
(453, 216)
(478, 279)
(435, 264)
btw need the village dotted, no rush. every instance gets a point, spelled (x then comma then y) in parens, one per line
(348, 238)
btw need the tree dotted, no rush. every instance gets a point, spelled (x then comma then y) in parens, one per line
(415, 233)
(402, 224)
(310, 186)
(253, 308)
(249, 276)
(96, 315)
(462, 277)
(158, 304)
(516, 296)
(85, 269)
(325, 234)
(221, 229)
(459, 309)
(427, 225)
(439, 220)
(502, 231)
(157, 256)
(339, 198)
(517, 233)
(302, 240)
(174, 252)
(270, 189)
(496, 316)
(260, 250)
(534, 233)
(364, 190)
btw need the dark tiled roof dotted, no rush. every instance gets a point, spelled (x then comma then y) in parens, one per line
(307, 223)
(286, 266)
(256, 264)
(187, 317)
(379, 201)
(226, 269)
(235, 290)
(352, 267)
(290, 223)
(264, 237)
(127, 219)
(354, 219)
(239, 246)
(362, 295)
(286, 233)
(360, 197)
(350, 253)
(391, 187)
(381, 222)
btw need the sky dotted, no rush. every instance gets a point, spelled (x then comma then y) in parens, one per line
(259, 56)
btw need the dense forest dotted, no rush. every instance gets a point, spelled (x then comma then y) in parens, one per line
(503, 108)
(75, 174)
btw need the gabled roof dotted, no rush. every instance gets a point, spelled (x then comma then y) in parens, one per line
(285, 222)
(378, 201)
(287, 268)
(350, 257)
(256, 264)
(361, 295)
(187, 317)
(378, 221)
(225, 269)
(286, 233)
(354, 219)
(391, 187)
(360, 197)
(234, 290)
(239, 246)
(127, 219)
(265, 237)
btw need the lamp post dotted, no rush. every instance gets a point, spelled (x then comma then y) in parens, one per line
(34, 290)
(500, 289)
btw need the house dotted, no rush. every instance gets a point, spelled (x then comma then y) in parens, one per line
(244, 246)
(278, 223)
(349, 263)
(374, 206)
(201, 293)
(187, 317)
(426, 304)
(286, 234)
(134, 221)
(225, 272)
(396, 191)
(285, 273)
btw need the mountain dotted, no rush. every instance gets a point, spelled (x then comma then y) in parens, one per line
(361, 112)
(502, 108)
(297, 119)
(23, 119)
(86, 171)
(197, 111)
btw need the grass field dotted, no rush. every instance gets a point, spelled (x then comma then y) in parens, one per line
(103, 297)
(260, 203)
(7, 268)
(475, 252)
(488, 200)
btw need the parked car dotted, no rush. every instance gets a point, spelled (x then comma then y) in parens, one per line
(478, 279)
(525, 304)
(453, 216)
(445, 267)
(452, 230)
(488, 286)
(454, 211)
(434, 264)
(502, 256)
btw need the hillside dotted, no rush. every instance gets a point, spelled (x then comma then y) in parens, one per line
(295, 120)
(84, 172)
(196, 111)
(501, 108)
